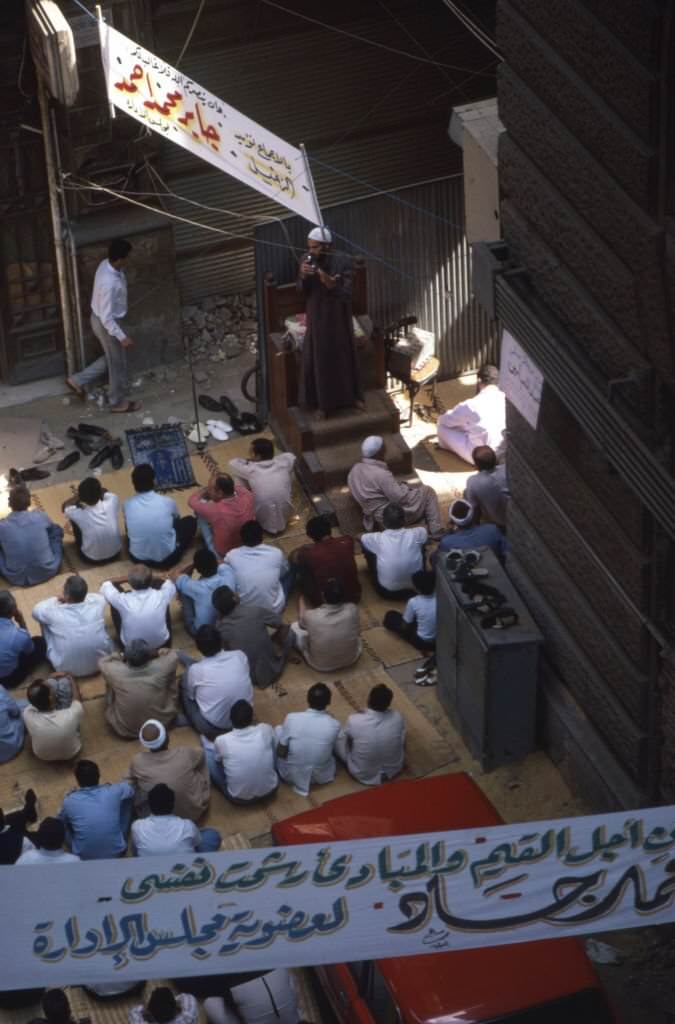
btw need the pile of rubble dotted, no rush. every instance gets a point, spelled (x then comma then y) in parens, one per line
(221, 327)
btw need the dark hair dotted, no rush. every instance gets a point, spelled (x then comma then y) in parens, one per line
(56, 1007)
(87, 773)
(393, 517)
(263, 447)
(318, 696)
(143, 478)
(75, 588)
(424, 582)
(241, 714)
(205, 562)
(19, 499)
(225, 484)
(139, 577)
(380, 697)
(90, 491)
(161, 799)
(251, 534)
(334, 592)
(318, 527)
(488, 374)
(161, 1007)
(51, 834)
(7, 604)
(138, 653)
(208, 640)
(39, 695)
(119, 249)
(484, 457)
(223, 600)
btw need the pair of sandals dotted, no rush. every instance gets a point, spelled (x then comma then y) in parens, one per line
(88, 438)
(127, 407)
(242, 422)
(491, 604)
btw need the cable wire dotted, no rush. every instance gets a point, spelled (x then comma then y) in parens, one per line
(193, 26)
(86, 10)
(473, 28)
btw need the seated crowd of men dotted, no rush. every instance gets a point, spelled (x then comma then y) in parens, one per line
(232, 595)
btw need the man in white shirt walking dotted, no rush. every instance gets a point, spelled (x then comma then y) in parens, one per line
(241, 762)
(93, 517)
(477, 421)
(372, 742)
(211, 686)
(73, 626)
(305, 743)
(270, 477)
(394, 554)
(142, 613)
(48, 849)
(108, 307)
(260, 570)
(164, 832)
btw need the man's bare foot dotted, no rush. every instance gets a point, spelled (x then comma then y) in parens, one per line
(127, 407)
(76, 389)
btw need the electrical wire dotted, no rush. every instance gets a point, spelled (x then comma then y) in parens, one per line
(362, 39)
(193, 26)
(86, 10)
(473, 28)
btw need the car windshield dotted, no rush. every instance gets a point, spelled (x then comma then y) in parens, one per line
(587, 1007)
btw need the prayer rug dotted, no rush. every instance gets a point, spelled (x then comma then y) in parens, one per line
(165, 448)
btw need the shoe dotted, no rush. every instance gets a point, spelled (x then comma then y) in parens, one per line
(209, 403)
(68, 460)
(85, 444)
(101, 456)
(51, 440)
(228, 406)
(129, 407)
(33, 473)
(14, 478)
(92, 428)
(247, 423)
(200, 437)
(30, 805)
(116, 457)
(426, 679)
(43, 454)
(76, 390)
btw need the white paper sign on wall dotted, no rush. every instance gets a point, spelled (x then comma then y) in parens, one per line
(520, 379)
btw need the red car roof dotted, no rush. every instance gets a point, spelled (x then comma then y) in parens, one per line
(464, 985)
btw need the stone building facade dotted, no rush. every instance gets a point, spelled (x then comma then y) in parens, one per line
(586, 283)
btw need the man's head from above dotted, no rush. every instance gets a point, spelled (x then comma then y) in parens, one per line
(380, 697)
(153, 735)
(205, 562)
(143, 478)
(484, 457)
(19, 499)
(424, 582)
(251, 534)
(75, 590)
(140, 577)
(318, 528)
(40, 695)
(488, 374)
(461, 513)
(138, 653)
(222, 486)
(56, 1007)
(87, 773)
(89, 491)
(319, 241)
(51, 834)
(7, 604)
(161, 1007)
(393, 517)
(373, 447)
(241, 714)
(118, 252)
(318, 697)
(262, 449)
(224, 600)
(334, 592)
(208, 640)
(161, 799)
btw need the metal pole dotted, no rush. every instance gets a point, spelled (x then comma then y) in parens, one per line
(61, 267)
(72, 254)
(310, 179)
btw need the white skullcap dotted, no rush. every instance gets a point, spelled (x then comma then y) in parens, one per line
(161, 735)
(457, 513)
(320, 235)
(371, 446)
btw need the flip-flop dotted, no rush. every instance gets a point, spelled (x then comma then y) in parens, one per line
(76, 390)
(129, 407)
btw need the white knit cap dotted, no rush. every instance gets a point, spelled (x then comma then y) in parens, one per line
(371, 446)
(455, 512)
(161, 735)
(320, 235)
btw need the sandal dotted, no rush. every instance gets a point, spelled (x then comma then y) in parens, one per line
(75, 389)
(129, 407)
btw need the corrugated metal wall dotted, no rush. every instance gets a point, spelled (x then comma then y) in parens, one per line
(420, 265)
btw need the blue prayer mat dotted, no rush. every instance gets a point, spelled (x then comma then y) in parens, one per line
(165, 448)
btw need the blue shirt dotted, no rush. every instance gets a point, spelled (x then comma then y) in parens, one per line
(201, 591)
(13, 642)
(11, 727)
(98, 819)
(485, 535)
(27, 554)
(149, 518)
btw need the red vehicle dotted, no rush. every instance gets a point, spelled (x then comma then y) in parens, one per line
(547, 982)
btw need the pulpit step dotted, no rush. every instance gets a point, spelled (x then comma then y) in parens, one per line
(328, 465)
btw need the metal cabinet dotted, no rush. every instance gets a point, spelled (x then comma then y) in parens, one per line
(487, 678)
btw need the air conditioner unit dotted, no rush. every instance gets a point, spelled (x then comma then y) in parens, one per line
(53, 49)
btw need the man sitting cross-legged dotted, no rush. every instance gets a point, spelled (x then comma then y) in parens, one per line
(241, 762)
(48, 845)
(261, 571)
(372, 742)
(97, 815)
(157, 534)
(143, 612)
(92, 513)
(73, 626)
(328, 636)
(210, 687)
(182, 768)
(270, 478)
(305, 742)
(164, 832)
(246, 628)
(53, 718)
(327, 558)
(20, 652)
(221, 510)
(195, 594)
(140, 683)
(31, 545)
(394, 554)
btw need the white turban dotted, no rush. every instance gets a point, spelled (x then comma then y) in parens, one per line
(320, 235)
(461, 512)
(371, 446)
(161, 735)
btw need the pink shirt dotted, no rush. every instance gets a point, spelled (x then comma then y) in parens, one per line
(225, 517)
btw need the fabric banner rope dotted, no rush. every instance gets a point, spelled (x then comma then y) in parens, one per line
(172, 104)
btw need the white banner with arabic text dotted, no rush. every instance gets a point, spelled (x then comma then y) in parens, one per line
(168, 102)
(520, 379)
